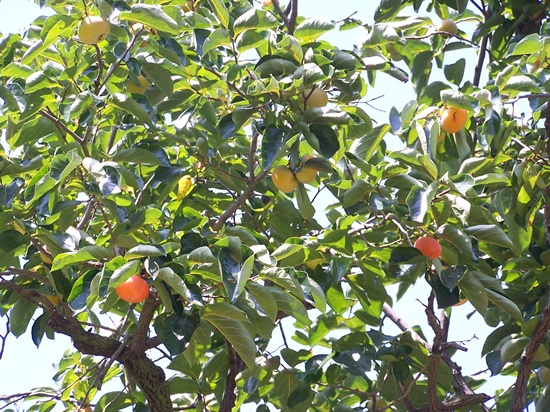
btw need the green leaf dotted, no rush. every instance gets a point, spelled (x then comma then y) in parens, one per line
(311, 29)
(255, 19)
(454, 98)
(365, 147)
(284, 385)
(264, 299)
(327, 139)
(127, 104)
(324, 115)
(290, 305)
(151, 16)
(137, 155)
(21, 314)
(521, 84)
(216, 39)
(274, 66)
(381, 34)
(124, 272)
(87, 253)
(505, 304)
(542, 404)
(455, 72)
(492, 234)
(160, 76)
(230, 321)
(476, 293)
(455, 235)
(301, 394)
(528, 45)
(141, 251)
(357, 192)
(304, 204)
(175, 331)
(417, 201)
(242, 277)
(218, 6)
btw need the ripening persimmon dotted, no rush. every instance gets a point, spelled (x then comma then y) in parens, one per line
(306, 174)
(315, 98)
(133, 290)
(428, 246)
(132, 87)
(284, 179)
(453, 119)
(93, 29)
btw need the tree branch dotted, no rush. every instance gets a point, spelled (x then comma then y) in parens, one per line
(519, 398)
(480, 58)
(239, 201)
(147, 312)
(236, 365)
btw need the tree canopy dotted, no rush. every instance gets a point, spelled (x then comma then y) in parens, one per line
(222, 151)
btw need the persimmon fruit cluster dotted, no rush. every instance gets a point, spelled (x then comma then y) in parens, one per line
(93, 29)
(453, 119)
(428, 246)
(133, 290)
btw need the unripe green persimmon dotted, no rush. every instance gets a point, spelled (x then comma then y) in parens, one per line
(448, 26)
(315, 98)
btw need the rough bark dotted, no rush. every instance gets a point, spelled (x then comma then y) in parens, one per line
(150, 377)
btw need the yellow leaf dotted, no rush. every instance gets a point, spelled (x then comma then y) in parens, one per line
(184, 186)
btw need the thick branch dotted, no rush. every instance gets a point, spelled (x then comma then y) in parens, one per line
(459, 383)
(147, 312)
(547, 201)
(401, 324)
(524, 371)
(480, 58)
(150, 377)
(434, 357)
(236, 365)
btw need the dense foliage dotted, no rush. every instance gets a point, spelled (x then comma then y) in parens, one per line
(152, 151)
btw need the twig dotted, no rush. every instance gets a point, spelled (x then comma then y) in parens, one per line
(87, 214)
(280, 11)
(28, 273)
(122, 58)
(97, 81)
(109, 229)
(480, 58)
(60, 125)
(293, 16)
(444, 33)
(401, 324)
(239, 201)
(112, 137)
(283, 334)
(5, 336)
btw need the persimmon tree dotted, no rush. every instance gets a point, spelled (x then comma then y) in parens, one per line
(150, 152)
